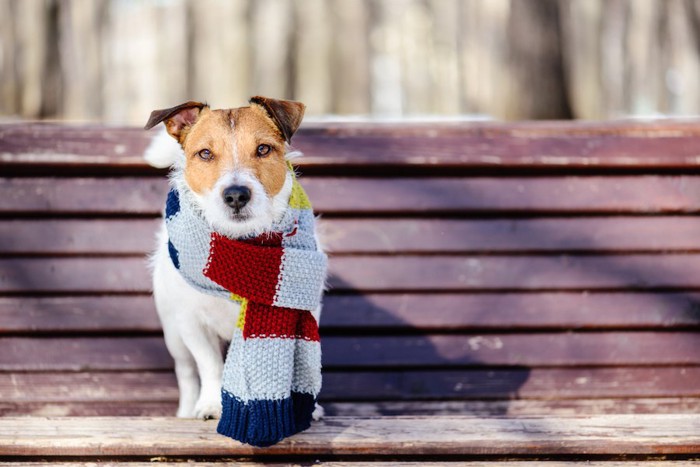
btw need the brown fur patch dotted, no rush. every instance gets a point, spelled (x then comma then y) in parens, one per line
(233, 137)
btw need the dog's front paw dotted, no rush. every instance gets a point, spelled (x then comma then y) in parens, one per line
(319, 413)
(207, 409)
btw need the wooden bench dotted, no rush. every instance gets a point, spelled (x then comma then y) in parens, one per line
(499, 292)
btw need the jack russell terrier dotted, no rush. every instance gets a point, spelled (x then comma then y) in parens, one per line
(238, 261)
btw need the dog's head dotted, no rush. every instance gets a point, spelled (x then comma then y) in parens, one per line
(235, 160)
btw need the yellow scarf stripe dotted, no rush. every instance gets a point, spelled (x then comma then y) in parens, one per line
(244, 305)
(298, 198)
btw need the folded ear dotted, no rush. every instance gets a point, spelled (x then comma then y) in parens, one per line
(176, 118)
(287, 115)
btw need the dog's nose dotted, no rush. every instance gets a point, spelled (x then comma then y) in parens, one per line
(236, 196)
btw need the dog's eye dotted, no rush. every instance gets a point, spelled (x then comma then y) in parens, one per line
(264, 150)
(205, 155)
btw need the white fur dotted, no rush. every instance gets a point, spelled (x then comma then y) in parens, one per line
(164, 151)
(197, 326)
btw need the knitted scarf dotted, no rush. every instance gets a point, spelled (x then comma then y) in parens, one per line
(272, 372)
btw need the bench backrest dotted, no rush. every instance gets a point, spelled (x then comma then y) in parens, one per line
(472, 264)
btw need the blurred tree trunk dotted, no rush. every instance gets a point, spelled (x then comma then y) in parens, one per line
(537, 86)
(631, 57)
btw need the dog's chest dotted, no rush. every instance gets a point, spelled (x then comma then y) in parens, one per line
(219, 316)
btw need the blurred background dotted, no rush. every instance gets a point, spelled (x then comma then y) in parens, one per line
(116, 60)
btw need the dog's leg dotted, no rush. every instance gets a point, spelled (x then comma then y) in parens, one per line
(206, 351)
(166, 287)
(185, 372)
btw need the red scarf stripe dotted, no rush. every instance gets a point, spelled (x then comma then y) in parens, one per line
(227, 258)
(275, 322)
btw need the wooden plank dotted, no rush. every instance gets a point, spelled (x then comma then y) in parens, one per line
(476, 384)
(83, 196)
(488, 408)
(80, 354)
(103, 314)
(512, 311)
(386, 236)
(666, 144)
(386, 274)
(547, 384)
(650, 194)
(410, 436)
(515, 408)
(78, 236)
(72, 145)
(568, 349)
(74, 275)
(597, 234)
(161, 462)
(89, 386)
(505, 311)
(556, 349)
(468, 273)
(647, 463)
(112, 408)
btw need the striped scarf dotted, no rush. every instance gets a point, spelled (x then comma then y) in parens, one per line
(272, 372)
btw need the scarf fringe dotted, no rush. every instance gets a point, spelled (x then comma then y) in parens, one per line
(263, 423)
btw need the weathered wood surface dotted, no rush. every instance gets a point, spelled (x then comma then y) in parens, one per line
(625, 234)
(475, 408)
(551, 289)
(328, 146)
(637, 434)
(387, 274)
(571, 195)
(547, 385)
(449, 311)
(535, 349)
(163, 462)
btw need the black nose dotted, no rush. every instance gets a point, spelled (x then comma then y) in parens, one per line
(236, 196)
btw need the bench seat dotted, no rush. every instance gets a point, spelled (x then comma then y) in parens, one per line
(348, 438)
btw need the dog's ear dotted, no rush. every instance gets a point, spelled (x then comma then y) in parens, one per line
(286, 114)
(176, 118)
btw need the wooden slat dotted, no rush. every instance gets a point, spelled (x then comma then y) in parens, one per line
(547, 384)
(380, 273)
(83, 196)
(598, 234)
(551, 144)
(449, 273)
(586, 349)
(513, 383)
(466, 144)
(507, 311)
(78, 236)
(104, 314)
(89, 386)
(512, 311)
(112, 408)
(647, 463)
(79, 354)
(385, 236)
(649, 194)
(516, 407)
(488, 408)
(71, 145)
(161, 463)
(410, 436)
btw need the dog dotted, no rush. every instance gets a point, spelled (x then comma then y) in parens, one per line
(235, 165)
